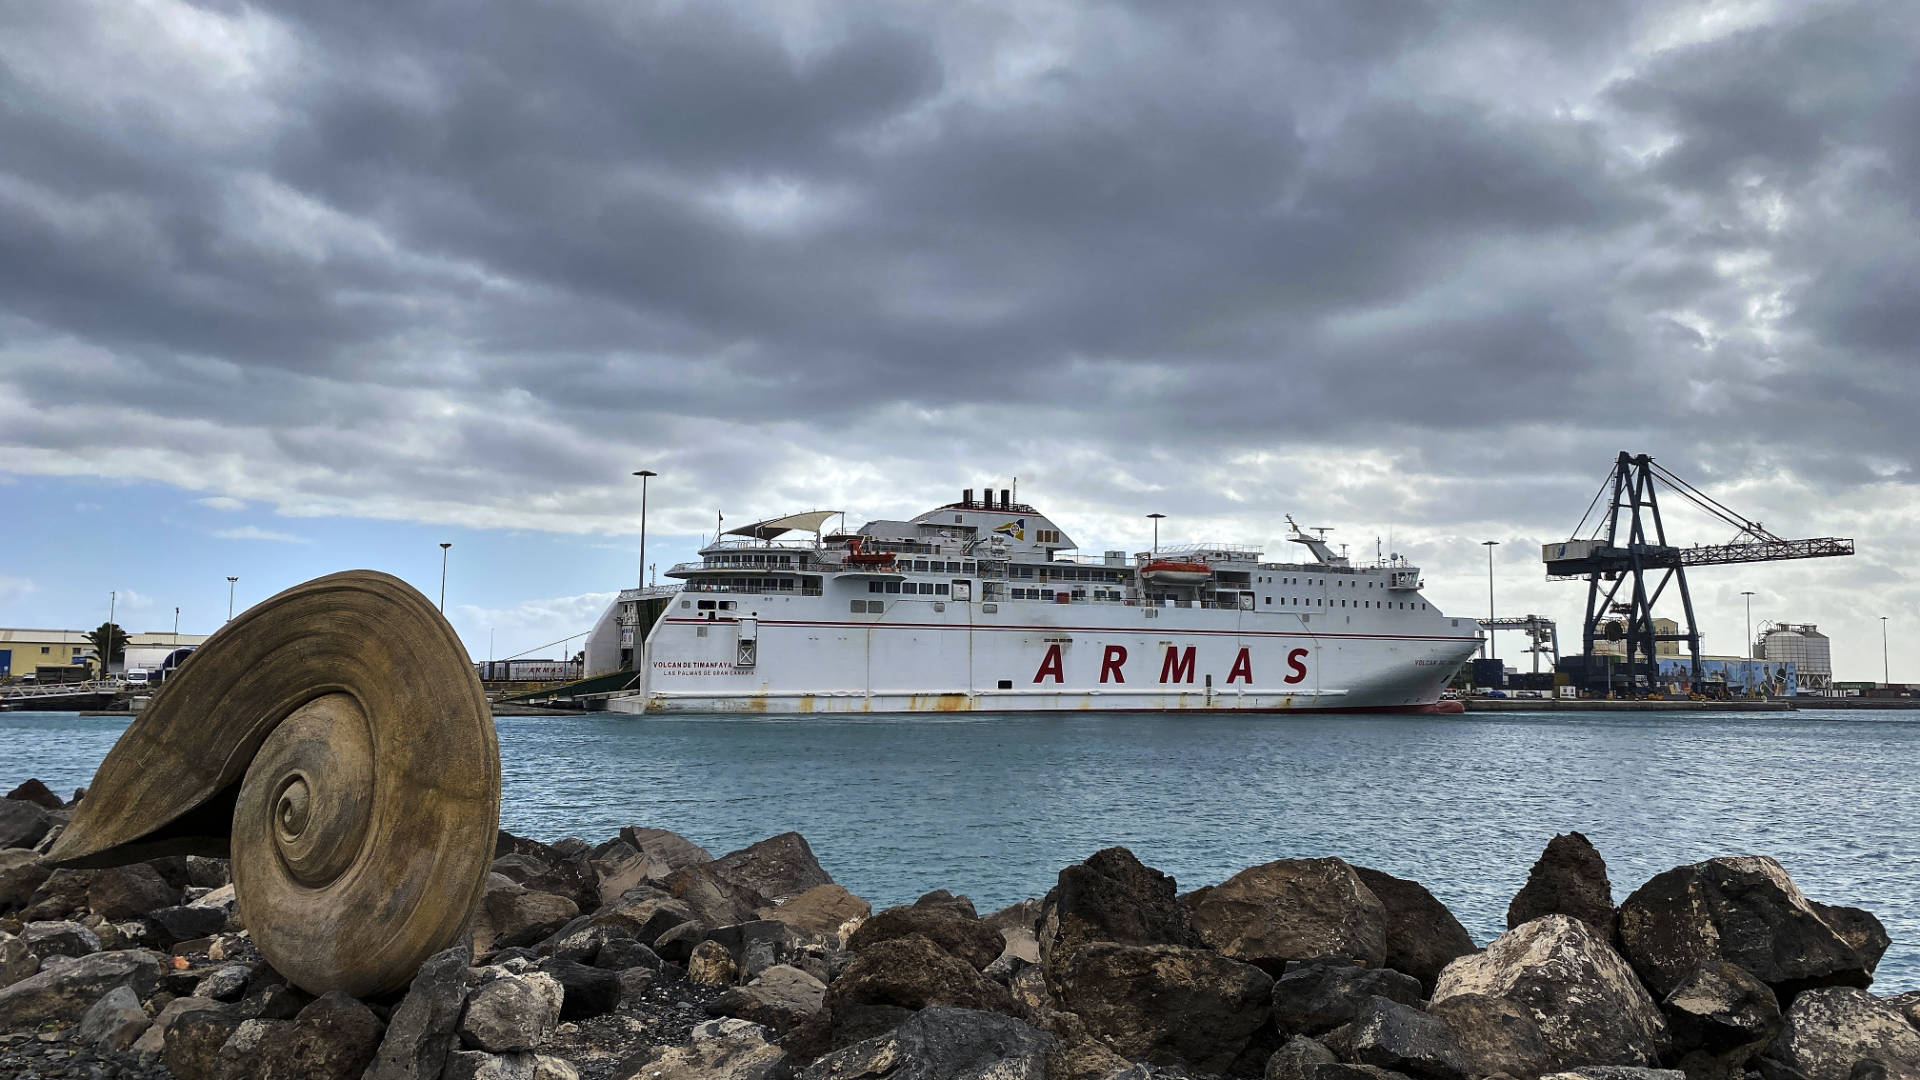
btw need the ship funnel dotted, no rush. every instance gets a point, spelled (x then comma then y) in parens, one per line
(966, 496)
(1006, 499)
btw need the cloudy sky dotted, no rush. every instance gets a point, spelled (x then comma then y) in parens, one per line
(286, 288)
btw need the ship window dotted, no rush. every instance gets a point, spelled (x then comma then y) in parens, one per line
(893, 586)
(858, 607)
(728, 605)
(699, 631)
(1269, 601)
(683, 604)
(939, 590)
(957, 519)
(873, 586)
(1006, 684)
(706, 605)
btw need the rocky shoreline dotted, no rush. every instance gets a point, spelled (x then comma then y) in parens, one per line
(644, 957)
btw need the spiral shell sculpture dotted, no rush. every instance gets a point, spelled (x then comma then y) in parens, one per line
(335, 743)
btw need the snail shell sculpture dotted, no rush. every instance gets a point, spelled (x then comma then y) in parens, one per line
(335, 743)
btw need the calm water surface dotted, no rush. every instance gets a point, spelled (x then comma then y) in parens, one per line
(993, 806)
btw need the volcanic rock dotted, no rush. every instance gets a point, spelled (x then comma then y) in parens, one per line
(421, 1031)
(677, 945)
(742, 1055)
(943, 1044)
(951, 903)
(1720, 1016)
(1320, 995)
(63, 894)
(584, 991)
(63, 992)
(1111, 897)
(967, 938)
(821, 911)
(16, 960)
(674, 850)
(115, 1021)
(35, 792)
(1292, 1060)
(1291, 909)
(193, 1043)
(126, 892)
(713, 900)
(778, 866)
(1393, 1036)
(512, 1012)
(1582, 994)
(780, 998)
(1570, 878)
(1422, 935)
(1747, 911)
(1831, 1031)
(22, 824)
(510, 915)
(21, 872)
(185, 922)
(1495, 1036)
(914, 973)
(154, 1040)
(62, 938)
(1166, 1004)
(711, 965)
(334, 1038)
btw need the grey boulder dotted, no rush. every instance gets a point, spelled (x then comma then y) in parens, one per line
(512, 1012)
(943, 1044)
(1320, 995)
(1393, 1036)
(1831, 1031)
(64, 991)
(114, 1022)
(1585, 999)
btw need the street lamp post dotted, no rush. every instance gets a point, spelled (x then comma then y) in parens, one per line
(1749, 595)
(443, 575)
(1156, 531)
(106, 662)
(1886, 672)
(230, 581)
(1487, 645)
(176, 627)
(643, 474)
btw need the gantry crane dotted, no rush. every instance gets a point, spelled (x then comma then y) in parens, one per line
(1634, 546)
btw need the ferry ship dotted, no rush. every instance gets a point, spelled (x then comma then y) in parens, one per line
(985, 605)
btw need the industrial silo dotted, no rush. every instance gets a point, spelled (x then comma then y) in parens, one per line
(1804, 646)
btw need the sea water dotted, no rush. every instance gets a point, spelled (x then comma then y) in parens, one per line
(994, 805)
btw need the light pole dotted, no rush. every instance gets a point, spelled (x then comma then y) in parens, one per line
(1886, 673)
(106, 662)
(1749, 595)
(1487, 645)
(1156, 531)
(176, 627)
(230, 582)
(643, 474)
(443, 575)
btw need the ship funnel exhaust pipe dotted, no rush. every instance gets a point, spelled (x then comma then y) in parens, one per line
(966, 496)
(1006, 499)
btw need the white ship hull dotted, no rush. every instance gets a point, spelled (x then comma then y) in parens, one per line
(914, 659)
(757, 631)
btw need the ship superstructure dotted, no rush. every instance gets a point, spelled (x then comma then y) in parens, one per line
(986, 604)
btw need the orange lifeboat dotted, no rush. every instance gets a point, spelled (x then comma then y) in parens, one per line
(856, 557)
(1168, 572)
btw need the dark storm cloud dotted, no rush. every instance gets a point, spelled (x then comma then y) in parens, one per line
(477, 254)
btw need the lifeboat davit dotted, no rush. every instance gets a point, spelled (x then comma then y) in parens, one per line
(1168, 572)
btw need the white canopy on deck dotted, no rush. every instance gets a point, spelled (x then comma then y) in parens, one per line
(810, 521)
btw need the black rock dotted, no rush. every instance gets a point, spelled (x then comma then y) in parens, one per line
(676, 945)
(620, 955)
(1570, 878)
(965, 937)
(194, 1042)
(35, 792)
(585, 991)
(119, 893)
(1317, 996)
(943, 1044)
(1720, 1016)
(1111, 897)
(22, 824)
(421, 1030)
(1393, 1036)
(172, 925)
(1746, 911)
(778, 866)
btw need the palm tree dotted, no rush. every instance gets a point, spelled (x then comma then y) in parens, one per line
(110, 643)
